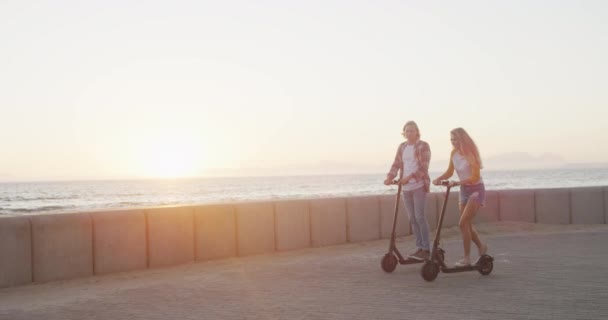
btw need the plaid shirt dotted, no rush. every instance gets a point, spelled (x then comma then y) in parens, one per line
(422, 153)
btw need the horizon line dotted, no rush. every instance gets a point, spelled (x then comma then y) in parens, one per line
(100, 179)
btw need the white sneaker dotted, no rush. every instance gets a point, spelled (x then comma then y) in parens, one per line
(463, 263)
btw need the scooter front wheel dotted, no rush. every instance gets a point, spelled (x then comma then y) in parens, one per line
(389, 262)
(429, 270)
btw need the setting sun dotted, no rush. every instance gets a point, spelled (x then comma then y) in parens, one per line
(174, 156)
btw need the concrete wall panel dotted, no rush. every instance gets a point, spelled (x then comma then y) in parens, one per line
(452, 213)
(170, 236)
(119, 241)
(328, 221)
(587, 205)
(62, 246)
(15, 251)
(605, 205)
(292, 222)
(490, 212)
(363, 218)
(517, 205)
(431, 210)
(552, 206)
(215, 232)
(387, 211)
(255, 228)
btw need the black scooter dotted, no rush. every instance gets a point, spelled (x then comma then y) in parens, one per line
(431, 267)
(393, 256)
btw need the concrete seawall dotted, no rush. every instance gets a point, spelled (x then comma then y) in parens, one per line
(48, 247)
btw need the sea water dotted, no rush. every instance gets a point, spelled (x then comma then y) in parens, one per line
(51, 197)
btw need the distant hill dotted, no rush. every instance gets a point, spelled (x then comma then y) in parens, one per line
(590, 165)
(525, 161)
(511, 161)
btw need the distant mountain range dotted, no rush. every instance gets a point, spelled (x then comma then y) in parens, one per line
(527, 161)
(507, 161)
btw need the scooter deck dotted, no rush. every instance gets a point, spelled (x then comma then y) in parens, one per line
(410, 261)
(460, 269)
(471, 267)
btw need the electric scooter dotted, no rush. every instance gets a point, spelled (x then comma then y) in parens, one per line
(432, 266)
(393, 256)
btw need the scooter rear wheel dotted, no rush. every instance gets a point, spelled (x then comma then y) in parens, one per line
(389, 262)
(485, 266)
(429, 270)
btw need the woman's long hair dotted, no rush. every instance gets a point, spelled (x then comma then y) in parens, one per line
(467, 146)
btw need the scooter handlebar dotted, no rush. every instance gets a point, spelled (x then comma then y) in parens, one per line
(444, 183)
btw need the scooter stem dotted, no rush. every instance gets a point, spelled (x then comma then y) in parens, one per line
(393, 234)
(438, 232)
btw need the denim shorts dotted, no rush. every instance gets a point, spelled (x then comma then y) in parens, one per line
(475, 192)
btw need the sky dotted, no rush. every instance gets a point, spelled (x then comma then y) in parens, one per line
(143, 89)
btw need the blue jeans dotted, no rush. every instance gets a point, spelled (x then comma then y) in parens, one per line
(414, 205)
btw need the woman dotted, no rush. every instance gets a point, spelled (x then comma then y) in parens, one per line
(466, 161)
(413, 158)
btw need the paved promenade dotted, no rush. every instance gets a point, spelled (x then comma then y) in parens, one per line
(562, 274)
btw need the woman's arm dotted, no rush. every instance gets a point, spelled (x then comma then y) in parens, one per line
(449, 172)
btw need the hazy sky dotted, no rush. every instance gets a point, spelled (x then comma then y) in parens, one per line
(120, 89)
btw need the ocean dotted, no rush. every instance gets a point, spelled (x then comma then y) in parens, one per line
(19, 198)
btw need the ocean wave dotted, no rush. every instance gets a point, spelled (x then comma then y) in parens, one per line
(35, 209)
(29, 199)
(122, 204)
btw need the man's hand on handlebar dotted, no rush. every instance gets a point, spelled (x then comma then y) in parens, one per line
(389, 182)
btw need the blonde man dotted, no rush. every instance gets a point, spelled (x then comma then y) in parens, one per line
(412, 160)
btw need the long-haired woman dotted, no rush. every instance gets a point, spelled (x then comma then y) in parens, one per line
(465, 160)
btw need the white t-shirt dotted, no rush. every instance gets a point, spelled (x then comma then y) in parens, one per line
(410, 165)
(462, 167)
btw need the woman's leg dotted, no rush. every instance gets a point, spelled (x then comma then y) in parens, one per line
(466, 228)
(480, 245)
(474, 235)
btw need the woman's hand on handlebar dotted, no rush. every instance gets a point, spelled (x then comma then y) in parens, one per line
(446, 183)
(452, 183)
(439, 182)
